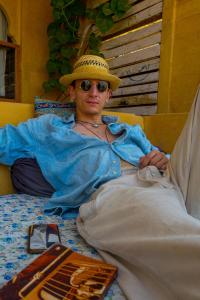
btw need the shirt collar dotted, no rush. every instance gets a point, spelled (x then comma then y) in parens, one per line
(106, 119)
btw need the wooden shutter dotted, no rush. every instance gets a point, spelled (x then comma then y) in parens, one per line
(11, 75)
(132, 49)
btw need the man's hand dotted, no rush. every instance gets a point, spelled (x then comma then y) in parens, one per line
(154, 158)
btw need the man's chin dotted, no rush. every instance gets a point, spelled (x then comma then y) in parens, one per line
(93, 111)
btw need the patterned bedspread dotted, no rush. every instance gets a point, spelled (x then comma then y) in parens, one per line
(17, 212)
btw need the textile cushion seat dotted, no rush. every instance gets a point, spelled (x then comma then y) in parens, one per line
(27, 178)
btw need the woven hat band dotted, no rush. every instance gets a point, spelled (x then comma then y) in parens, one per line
(91, 67)
(91, 63)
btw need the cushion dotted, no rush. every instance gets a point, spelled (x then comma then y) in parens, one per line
(46, 106)
(27, 178)
(26, 174)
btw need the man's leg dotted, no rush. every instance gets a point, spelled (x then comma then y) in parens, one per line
(148, 234)
(185, 160)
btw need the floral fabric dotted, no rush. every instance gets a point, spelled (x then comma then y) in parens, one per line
(17, 212)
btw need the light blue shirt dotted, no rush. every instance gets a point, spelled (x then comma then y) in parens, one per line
(74, 164)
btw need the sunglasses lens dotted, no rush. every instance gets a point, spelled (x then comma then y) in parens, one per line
(102, 86)
(85, 85)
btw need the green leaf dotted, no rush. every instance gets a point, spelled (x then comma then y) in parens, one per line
(104, 23)
(107, 10)
(53, 55)
(57, 14)
(52, 29)
(123, 5)
(63, 33)
(62, 37)
(59, 4)
(53, 3)
(94, 41)
(91, 14)
(68, 52)
(95, 52)
(119, 14)
(50, 85)
(53, 45)
(113, 5)
(46, 86)
(53, 83)
(52, 66)
(65, 67)
(119, 7)
(77, 8)
(62, 88)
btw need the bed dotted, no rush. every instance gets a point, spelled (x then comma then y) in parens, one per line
(17, 212)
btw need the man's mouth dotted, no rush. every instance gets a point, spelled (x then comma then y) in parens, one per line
(92, 102)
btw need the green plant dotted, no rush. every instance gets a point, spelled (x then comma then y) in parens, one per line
(66, 38)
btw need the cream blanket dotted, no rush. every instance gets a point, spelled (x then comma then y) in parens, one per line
(147, 224)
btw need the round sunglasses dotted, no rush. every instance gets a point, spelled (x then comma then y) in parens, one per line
(101, 85)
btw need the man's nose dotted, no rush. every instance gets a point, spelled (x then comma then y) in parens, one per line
(93, 90)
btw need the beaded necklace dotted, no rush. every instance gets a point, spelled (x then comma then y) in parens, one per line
(99, 136)
(95, 125)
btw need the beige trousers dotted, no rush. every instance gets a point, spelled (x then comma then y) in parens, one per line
(148, 225)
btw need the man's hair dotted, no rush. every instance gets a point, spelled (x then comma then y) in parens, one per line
(73, 83)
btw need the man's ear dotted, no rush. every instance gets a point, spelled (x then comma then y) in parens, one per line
(71, 92)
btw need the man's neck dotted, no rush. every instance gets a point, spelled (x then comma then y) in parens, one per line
(95, 119)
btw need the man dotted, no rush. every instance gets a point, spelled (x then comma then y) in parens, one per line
(139, 220)
(71, 161)
(130, 209)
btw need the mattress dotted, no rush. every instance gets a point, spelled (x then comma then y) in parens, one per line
(17, 212)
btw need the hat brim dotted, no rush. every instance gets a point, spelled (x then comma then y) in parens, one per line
(112, 79)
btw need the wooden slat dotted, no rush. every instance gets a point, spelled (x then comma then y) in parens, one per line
(141, 55)
(136, 89)
(133, 100)
(145, 4)
(133, 20)
(135, 45)
(133, 35)
(17, 82)
(95, 3)
(7, 44)
(134, 56)
(140, 79)
(140, 110)
(132, 1)
(144, 66)
(17, 74)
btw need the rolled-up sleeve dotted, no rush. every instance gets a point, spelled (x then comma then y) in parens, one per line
(142, 141)
(16, 142)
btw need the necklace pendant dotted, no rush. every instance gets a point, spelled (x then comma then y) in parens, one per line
(95, 125)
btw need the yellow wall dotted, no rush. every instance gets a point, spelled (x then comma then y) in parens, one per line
(28, 21)
(12, 10)
(180, 55)
(180, 49)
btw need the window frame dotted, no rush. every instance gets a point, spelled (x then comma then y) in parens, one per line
(17, 71)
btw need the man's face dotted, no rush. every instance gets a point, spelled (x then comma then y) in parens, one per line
(90, 96)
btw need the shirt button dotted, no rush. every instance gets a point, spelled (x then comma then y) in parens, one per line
(114, 172)
(114, 161)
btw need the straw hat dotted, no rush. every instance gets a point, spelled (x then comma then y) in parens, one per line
(91, 67)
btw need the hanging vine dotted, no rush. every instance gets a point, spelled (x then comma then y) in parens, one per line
(67, 40)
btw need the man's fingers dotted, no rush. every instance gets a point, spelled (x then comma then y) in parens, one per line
(154, 158)
(144, 161)
(162, 164)
(158, 159)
